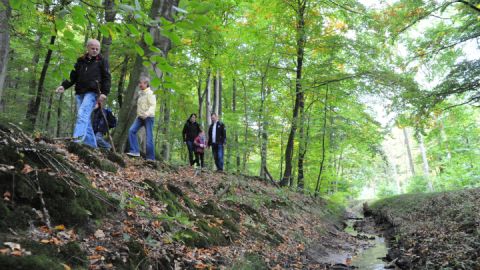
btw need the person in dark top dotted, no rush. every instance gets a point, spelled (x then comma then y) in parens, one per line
(101, 127)
(217, 137)
(191, 129)
(92, 79)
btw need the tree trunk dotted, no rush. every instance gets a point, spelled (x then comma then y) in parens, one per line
(33, 73)
(159, 8)
(302, 151)
(235, 132)
(324, 132)
(121, 81)
(208, 100)
(409, 152)
(110, 13)
(216, 92)
(5, 13)
(299, 96)
(245, 138)
(32, 112)
(59, 116)
(49, 112)
(426, 168)
(200, 98)
(165, 110)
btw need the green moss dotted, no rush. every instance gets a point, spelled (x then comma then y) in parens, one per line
(251, 261)
(114, 157)
(161, 194)
(29, 262)
(228, 216)
(68, 205)
(46, 257)
(191, 238)
(137, 258)
(90, 157)
(214, 235)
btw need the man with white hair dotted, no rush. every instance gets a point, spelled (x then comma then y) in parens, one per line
(92, 79)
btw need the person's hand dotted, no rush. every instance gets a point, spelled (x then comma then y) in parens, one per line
(60, 89)
(202, 145)
(101, 98)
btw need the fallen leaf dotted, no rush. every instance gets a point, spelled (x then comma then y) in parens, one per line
(95, 257)
(45, 241)
(100, 248)
(66, 267)
(60, 227)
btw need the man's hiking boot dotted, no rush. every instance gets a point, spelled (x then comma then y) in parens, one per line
(133, 154)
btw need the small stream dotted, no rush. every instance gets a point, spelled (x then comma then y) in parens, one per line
(370, 257)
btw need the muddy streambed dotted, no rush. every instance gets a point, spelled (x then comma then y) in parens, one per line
(371, 253)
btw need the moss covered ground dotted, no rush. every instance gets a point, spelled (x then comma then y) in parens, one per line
(69, 206)
(433, 230)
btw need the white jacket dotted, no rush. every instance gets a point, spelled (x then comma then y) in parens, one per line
(146, 103)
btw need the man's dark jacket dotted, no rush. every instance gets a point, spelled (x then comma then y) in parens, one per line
(190, 131)
(85, 74)
(221, 135)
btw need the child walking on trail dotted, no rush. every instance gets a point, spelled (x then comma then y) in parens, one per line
(200, 143)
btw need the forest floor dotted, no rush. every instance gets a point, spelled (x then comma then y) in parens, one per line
(65, 206)
(433, 230)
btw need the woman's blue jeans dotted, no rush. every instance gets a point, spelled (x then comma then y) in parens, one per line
(132, 136)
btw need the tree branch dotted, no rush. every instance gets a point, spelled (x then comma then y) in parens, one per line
(469, 5)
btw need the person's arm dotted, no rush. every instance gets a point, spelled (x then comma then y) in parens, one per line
(106, 77)
(209, 135)
(73, 79)
(224, 134)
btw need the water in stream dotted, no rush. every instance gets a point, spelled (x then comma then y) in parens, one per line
(371, 257)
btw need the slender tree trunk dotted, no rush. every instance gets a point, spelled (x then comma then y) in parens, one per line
(110, 13)
(200, 98)
(5, 13)
(324, 132)
(299, 96)
(32, 112)
(426, 168)
(245, 138)
(33, 73)
(216, 94)
(49, 111)
(165, 109)
(121, 81)
(409, 152)
(208, 99)
(302, 152)
(59, 116)
(301, 149)
(235, 131)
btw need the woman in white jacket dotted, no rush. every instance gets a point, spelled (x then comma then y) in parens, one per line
(146, 105)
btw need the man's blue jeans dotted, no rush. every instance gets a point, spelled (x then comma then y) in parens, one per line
(217, 150)
(83, 131)
(101, 142)
(132, 136)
